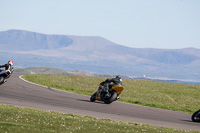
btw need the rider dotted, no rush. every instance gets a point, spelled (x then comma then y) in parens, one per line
(8, 66)
(116, 81)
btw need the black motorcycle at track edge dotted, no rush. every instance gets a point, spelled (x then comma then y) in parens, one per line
(196, 116)
(5, 74)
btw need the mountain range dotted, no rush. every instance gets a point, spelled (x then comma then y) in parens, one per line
(98, 55)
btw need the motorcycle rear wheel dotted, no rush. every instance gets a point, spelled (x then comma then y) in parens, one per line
(196, 116)
(112, 98)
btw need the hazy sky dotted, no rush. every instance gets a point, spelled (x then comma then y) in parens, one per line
(133, 23)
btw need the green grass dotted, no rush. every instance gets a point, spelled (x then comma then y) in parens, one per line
(24, 120)
(171, 96)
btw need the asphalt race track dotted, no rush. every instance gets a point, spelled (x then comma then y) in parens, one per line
(23, 94)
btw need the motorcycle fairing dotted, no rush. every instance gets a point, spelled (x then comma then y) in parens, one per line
(98, 96)
(118, 89)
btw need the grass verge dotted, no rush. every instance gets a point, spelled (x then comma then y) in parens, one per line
(23, 120)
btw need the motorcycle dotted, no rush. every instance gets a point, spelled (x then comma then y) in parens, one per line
(114, 92)
(5, 74)
(196, 116)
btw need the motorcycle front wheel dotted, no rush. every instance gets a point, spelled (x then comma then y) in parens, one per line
(1, 80)
(112, 98)
(92, 98)
(196, 116)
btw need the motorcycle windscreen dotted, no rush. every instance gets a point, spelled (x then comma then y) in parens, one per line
(118, 89)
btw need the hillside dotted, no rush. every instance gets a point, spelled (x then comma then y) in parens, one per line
(98, 55)
(16, 40)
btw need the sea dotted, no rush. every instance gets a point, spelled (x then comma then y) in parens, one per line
(178, 82)
(190, 82)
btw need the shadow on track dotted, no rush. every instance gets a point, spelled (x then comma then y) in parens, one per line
(90, 101)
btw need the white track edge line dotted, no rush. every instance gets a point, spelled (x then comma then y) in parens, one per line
(47, 87)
